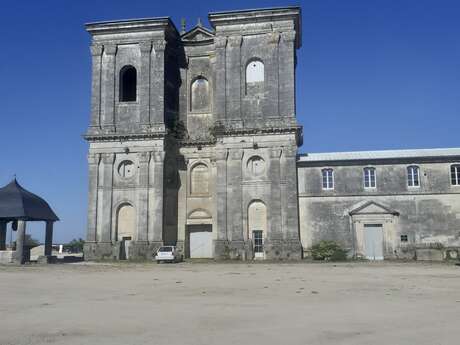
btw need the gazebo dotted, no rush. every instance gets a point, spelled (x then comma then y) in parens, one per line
(19, 206)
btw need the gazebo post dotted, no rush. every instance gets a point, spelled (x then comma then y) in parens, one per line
(2, 235)
(20, 237)
(49, 239)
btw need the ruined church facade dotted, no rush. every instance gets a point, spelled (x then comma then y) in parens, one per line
(193, 142)
(193, 137)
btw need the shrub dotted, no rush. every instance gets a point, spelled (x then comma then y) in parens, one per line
(328, 250)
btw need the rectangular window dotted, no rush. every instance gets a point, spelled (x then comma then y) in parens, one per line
(455, 174)
(328, 178)
(403, 238)
(413, 177)
(258, 241)
(370, 178)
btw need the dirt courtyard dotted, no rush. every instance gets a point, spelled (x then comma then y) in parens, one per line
(230, 303)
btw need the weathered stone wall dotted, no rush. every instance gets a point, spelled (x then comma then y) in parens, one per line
(427, 215)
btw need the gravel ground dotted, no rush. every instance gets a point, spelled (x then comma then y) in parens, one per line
(230, 303)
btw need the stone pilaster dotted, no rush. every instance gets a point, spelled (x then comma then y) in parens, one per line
(95, 121)
(220, 84)
(234, 196)
(233, 70)
(108, 88)
(107, 192)
(142, 197)
(157, 80)
(291, 201)
(287, 74)
(93, 165)
(221, 194)
(182, 203)
(144, 84)
(271, 105)
(156, 206)
(274, 232)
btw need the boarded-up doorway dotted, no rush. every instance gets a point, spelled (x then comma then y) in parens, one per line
(200, 241)
(373, 241)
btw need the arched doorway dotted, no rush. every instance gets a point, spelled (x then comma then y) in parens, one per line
(126, 228)
(257, 227)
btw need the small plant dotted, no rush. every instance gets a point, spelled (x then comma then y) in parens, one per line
(328, 250)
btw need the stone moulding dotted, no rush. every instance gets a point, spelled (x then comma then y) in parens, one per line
(123, 137)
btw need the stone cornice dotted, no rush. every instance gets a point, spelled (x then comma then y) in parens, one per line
(123, 137)
(259, 16)
(137, 25)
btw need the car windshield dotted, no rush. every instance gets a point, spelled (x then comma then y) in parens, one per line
(165, 249)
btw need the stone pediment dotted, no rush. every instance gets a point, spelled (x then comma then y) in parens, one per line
(198, 34)
(371, 207)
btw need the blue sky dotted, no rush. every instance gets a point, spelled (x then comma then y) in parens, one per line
(380, 74)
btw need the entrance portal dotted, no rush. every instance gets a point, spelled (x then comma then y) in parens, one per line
(258, 240)
(373, 241)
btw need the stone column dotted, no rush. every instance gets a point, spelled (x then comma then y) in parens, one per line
(220, 75)
(49, 238)
(20, 238)
(274, 211)
(271, 106)
(93, 165)
(156, 210)
(221, 194)
(2, 235)
(234, 197)
(107, 190)
(144, 84)
(157, 81)
(108, 88)
(142, 197)
(95, 121)
(233, 70)
(287, 74)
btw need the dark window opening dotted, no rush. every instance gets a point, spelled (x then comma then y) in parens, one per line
(258, 241)
(404, 238)
(128, 84)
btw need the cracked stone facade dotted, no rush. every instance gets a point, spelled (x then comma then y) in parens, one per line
(193, 142)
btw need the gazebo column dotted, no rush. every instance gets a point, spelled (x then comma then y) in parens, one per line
(2, 235)
(20, 237)
(49, 238)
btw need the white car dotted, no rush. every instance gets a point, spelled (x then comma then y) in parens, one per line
(168, 254)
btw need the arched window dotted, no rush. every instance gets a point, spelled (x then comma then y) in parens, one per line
(413, 178)
(455, 174)
(370, 178)
(257, 226)
(128, 84)
(328, 178)
(256, 165)
(199, 100)
(255, 77)
(126, 222)
(199, 179)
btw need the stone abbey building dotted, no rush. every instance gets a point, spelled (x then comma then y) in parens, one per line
(193, 142)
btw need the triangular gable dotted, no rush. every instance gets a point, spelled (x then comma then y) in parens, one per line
(198, 33)
(371, 207)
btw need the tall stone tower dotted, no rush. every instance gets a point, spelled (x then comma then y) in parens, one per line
(193, 137)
